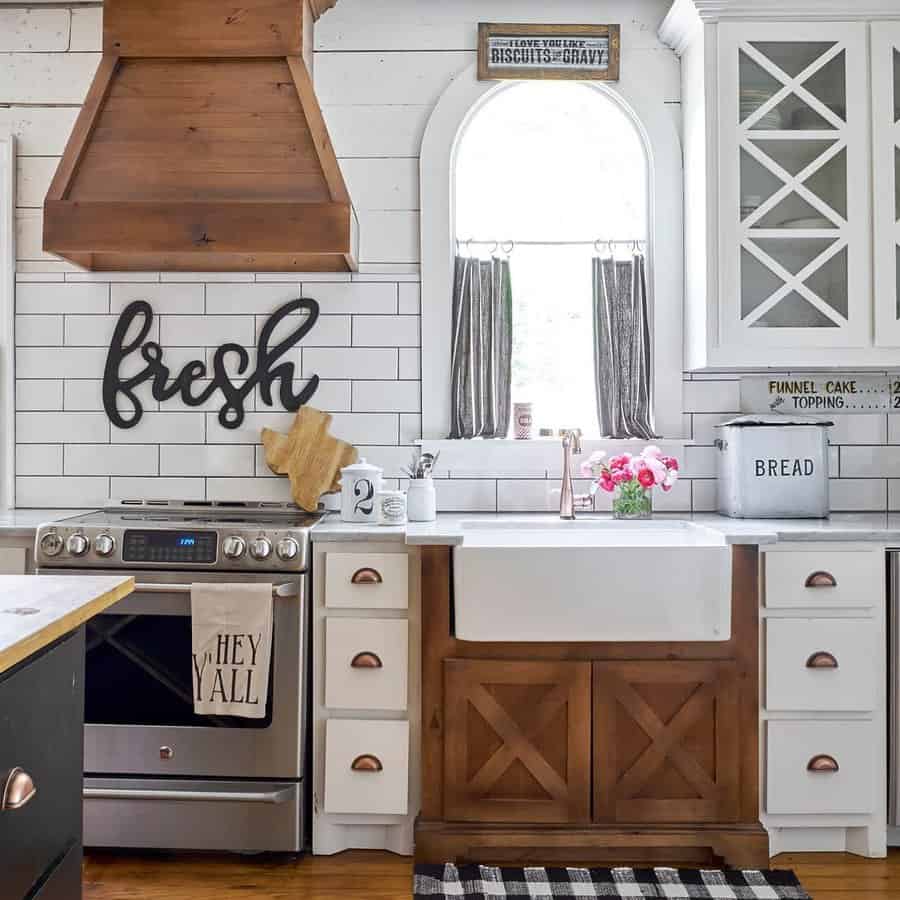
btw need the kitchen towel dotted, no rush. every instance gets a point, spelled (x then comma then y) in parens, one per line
(231, 645)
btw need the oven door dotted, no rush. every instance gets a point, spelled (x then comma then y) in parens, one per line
(139, 716)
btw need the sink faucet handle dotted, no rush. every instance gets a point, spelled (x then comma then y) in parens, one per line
(571, 438)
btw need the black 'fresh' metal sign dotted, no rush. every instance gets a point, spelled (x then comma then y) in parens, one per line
(268, 368)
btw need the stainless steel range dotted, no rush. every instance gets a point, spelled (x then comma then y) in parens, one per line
(156, 774)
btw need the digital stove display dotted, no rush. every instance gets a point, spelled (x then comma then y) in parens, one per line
(169, 546)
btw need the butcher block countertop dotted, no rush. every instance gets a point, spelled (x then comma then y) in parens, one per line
(35, 610)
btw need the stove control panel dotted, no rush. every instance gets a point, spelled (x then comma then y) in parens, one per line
(244, 548)
(163, 546)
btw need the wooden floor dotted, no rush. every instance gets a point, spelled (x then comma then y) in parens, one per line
(382, 876)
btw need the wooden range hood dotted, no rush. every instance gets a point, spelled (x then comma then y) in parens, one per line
(201, 146)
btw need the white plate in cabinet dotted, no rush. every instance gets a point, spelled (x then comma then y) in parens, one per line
(821, 664)
(366, 663)
(820, 767)
(367, 580)
(814, 578)
(366, 767)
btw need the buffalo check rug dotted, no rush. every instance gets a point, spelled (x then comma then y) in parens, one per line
(442, 882)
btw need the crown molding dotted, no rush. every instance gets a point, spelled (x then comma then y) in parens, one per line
(320, 6)
(686, 18)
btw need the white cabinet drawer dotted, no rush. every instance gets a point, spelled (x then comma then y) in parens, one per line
(366, 767)
(821, 664)
(818, 578)
(366, 662)
(367, 580)
(793, 789)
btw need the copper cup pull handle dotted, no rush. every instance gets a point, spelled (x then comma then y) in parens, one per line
(366, 576)
(821, 579)
(366, 762)
(366, 659)
(18, 790)
(823, 763)
(821, 659)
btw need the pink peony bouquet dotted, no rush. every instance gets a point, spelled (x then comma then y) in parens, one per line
(632, 477)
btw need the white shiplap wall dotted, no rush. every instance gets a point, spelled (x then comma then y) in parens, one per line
(379, 68)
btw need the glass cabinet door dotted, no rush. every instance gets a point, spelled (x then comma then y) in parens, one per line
(794, 186)
(886, 159)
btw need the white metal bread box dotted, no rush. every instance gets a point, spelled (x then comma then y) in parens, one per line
(773, 467)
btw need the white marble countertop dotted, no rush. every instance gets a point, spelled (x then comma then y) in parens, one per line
(35, 610)
(24, 522)
(448, 528)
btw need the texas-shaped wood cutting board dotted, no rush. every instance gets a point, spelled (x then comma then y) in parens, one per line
(309, 455)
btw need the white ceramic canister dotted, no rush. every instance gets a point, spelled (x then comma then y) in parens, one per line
(421, 503)
(391, 507)
(359, 485)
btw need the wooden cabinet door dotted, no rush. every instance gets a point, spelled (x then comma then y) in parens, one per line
(666, 742)
(517, 741)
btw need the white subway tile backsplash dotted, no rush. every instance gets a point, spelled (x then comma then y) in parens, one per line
(700, 462)
(35, 394)
(39, 331)
(329, 331)
(205, 277)
(163, 428)
(409, 302)
(60, 362)
(859, 429)
(97, 331)
(410, 428)
(410, 363)
(385, 331)
(718, 396)
(61, 427)
(250, 429)
(34, 299)
(704, 495)
(157, 488)
(271, 489)
(86, 395)
(366, 428)
(132, 277)
(111, 459)
(183, 331)
(244, 299)
(166, 299)
(392, 396)
(466, 495)
(870, 462)
(61, 493)
(532, 494)
(858, 494)
(354, 297)
(350, 362)
(204, 460)
(39, 459)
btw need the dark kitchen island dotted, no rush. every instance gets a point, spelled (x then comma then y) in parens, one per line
(42, 729)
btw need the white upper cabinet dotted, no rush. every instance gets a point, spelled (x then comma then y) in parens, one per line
(886, 159)
(795, 253)
(792, 152)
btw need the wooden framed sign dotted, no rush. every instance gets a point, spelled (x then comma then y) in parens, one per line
(538, 52)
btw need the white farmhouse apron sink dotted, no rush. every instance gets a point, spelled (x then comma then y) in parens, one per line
(591, 581)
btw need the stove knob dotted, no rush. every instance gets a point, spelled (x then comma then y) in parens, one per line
(233, 547)
(51, 544)
(77, 544)
(287, 549)
(104, 544)
(261, 548)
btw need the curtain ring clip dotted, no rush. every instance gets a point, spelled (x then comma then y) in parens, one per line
(507, 247)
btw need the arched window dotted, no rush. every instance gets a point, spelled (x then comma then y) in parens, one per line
(549, 173)
(534, 163)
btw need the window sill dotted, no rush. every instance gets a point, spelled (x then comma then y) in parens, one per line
(536, 458)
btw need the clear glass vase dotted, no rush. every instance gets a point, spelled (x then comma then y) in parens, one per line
(632, 502)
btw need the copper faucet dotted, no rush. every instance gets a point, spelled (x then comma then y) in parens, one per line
(568, 500)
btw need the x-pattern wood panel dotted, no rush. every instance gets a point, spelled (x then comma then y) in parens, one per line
(624, 769)
(793, 184)
(554, 693)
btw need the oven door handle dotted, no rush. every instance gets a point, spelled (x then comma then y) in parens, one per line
(272, 797)
(279, 591)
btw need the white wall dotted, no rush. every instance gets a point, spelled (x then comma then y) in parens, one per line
(379, 68)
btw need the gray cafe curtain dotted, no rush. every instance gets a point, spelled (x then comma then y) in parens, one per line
(622, 348)
(481, 352)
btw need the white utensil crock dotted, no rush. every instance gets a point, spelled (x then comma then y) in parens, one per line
(421, 503)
